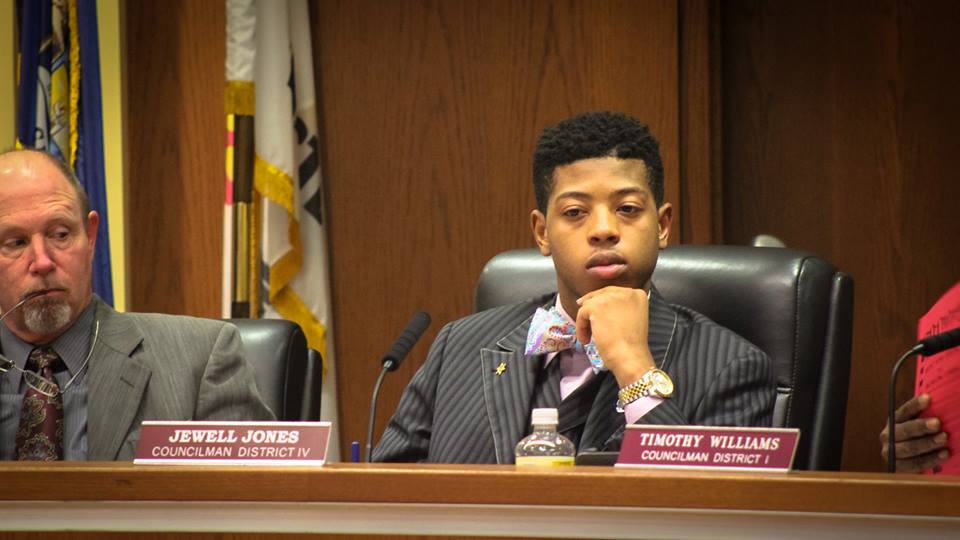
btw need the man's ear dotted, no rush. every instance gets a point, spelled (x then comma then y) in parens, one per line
(664, 221)
(538, 223)
(93, 223)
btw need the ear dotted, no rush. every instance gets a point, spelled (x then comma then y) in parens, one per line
(664, 221)
(93, 223)
(538, 223)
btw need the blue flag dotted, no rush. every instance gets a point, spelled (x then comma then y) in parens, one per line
(89, 163)
(34, 25)
(53, 117)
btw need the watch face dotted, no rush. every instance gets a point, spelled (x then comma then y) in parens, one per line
(662, 384)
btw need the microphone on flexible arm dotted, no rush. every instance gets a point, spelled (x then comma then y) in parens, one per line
(391, 361)
(928, 346)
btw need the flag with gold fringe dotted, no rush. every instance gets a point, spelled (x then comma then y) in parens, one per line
(269, 55)
(59, 108)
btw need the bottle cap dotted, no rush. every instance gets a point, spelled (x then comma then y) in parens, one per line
(544, 416)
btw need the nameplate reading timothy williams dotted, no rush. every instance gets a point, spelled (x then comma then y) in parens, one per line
(233, 443)
(699, 447)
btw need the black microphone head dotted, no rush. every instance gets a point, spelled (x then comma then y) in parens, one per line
(406, 340)
(940, 342)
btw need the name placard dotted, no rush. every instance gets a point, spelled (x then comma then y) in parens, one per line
(233, 443)
(700, 447)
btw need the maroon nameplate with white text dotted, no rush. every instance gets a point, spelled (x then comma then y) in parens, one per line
(233, 443)
(700, 447)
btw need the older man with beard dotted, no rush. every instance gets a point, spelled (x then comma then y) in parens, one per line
(81, 377)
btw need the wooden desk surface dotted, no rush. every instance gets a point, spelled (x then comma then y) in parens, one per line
(327, 496)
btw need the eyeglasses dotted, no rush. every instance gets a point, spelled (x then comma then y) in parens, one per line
(42, 384)
(34, 380)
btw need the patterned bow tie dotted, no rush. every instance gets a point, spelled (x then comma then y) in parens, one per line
(550, 331)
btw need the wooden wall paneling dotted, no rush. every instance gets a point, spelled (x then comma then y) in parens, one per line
(110, 535)
(700, 134)
(839, 131)
(175, 57)
(430, 112)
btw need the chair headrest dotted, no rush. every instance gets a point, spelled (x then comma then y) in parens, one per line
(753, 291)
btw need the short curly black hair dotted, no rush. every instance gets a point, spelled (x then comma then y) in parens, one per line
(594, 135)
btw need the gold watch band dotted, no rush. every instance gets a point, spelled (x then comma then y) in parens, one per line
(642, 387)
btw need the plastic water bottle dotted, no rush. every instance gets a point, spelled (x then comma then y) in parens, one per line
(545, 447)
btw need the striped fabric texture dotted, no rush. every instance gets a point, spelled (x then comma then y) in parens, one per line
(150, 366)
(471, 400)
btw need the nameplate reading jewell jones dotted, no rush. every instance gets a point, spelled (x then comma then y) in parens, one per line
(700, 447)
(233, 443)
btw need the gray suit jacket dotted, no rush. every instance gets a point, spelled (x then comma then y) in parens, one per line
(163, 367)
(456, 408)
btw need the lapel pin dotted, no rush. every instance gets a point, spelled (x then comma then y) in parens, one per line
(501, 368)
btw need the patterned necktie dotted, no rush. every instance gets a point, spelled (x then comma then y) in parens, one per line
(40, 436)
(550, 331)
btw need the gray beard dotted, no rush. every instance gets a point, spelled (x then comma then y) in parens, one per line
(46, 316)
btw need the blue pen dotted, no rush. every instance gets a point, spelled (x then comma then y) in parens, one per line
(355, 452)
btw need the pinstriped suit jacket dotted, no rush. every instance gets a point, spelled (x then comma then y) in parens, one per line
(147, 366)
(456, 408)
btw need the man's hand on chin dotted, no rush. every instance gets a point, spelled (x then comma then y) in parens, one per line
(616, 318)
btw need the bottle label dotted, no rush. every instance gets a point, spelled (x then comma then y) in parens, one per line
(545, 461)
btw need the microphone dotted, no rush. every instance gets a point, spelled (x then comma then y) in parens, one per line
(406, 340)
(928, 346)
(940, 342)
(391, 361)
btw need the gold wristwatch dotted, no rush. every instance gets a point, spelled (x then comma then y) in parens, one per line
(654, 382)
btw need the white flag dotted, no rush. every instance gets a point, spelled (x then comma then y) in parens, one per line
(239, 98)
(293, 270)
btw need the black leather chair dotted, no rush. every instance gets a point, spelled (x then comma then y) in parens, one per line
(793, 305)
(288, 373)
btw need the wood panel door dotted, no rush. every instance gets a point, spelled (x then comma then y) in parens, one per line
(840, 136)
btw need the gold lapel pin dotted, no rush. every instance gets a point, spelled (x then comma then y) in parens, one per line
(501, 368)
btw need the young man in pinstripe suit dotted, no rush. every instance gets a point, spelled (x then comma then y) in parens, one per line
(600, 215)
